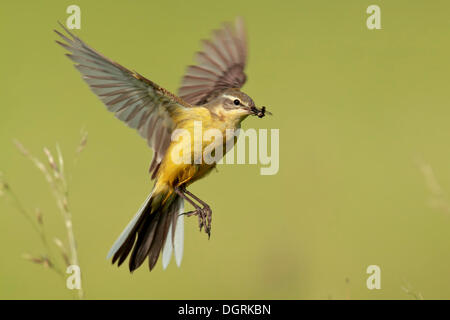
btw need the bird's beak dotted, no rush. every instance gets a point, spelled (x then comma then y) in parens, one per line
(259, 112)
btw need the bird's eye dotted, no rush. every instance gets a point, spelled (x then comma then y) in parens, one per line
(236, 102)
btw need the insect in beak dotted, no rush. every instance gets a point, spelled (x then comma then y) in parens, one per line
(260, 112)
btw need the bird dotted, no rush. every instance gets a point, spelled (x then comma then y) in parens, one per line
(210, 93)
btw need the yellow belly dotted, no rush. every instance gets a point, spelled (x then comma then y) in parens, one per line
(172, 173)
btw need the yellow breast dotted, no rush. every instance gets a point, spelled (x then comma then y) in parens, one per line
(192, 127)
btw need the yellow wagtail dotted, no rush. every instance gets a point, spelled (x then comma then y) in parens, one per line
(209, 94)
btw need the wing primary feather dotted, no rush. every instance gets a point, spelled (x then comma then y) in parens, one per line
(136, 100)
(220, 65)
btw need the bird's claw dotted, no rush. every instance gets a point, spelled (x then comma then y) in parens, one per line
(204, 218)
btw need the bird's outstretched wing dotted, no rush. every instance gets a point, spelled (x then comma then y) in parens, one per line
(139, 102)
(219, 66)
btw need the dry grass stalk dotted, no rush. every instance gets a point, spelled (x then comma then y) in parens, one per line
(54, 174)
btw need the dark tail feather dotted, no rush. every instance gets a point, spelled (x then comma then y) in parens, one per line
(150, 229)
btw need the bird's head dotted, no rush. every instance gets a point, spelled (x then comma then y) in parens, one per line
(236, 105)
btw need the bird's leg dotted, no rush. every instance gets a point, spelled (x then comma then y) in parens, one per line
(198, 210)
(206, 209)
(204, 214)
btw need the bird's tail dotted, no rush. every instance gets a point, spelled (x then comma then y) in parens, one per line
(158, 225)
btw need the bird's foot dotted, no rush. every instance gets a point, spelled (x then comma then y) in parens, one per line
(204, 218)
(199, 214)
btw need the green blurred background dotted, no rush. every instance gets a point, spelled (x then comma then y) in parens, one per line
(358, 111)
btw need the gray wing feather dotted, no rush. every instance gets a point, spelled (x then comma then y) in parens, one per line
(140, 103)
(219, 66)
